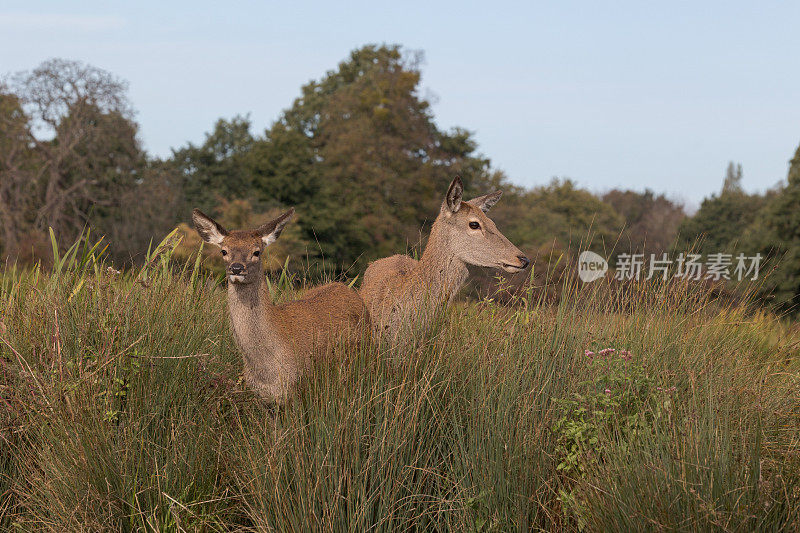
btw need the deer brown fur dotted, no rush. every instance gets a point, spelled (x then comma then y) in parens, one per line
(278, 342)
(399, 291)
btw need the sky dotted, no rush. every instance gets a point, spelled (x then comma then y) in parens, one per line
(610, 94)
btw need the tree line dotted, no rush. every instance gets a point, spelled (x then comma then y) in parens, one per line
(358, 153)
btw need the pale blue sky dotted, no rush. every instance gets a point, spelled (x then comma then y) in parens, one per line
(623, 94)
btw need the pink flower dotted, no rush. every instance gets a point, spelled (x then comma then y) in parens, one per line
(608, 391)
(625, 355)
(588, 353)
(606, 351)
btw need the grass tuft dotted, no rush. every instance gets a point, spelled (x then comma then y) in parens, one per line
(123, 409)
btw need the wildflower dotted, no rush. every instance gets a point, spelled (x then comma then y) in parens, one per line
(588, 353)
(608, 391)
(606, 351)
(625, 355)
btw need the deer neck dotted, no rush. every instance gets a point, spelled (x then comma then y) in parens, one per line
(252, 319)
(442, 273)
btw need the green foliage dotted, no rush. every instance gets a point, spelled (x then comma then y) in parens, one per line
(216, 170)
(616, 405)
(767, 224)
(719, 223)
(283, 166)
(776, 235)
(559, 214)
(619, 390)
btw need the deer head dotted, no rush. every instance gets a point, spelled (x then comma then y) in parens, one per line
(241, 250)
(472, 236)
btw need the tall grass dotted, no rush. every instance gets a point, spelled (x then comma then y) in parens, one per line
(123, 410)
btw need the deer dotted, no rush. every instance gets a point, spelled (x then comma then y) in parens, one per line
(400, 291)
(278, 342)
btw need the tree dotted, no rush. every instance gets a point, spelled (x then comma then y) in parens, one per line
(360, 155)
(552, 224)
(651, 221)
(142, 212)
(560, 215)
(775, 234)
(722, 219)
(68, 145)
(216, 170)
(16, 166)
(733, 179)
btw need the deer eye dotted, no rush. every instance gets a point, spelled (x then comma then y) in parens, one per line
(256, 253)
(224, 252)
(474, 225)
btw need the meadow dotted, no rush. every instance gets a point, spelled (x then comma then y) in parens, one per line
(653, 408)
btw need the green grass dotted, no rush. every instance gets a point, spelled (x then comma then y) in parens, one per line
(121, 409)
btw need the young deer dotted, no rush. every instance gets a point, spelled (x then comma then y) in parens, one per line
(278, 342)
(399, 290)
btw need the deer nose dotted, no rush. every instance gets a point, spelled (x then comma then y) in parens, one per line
(524, 260)
(236, 268)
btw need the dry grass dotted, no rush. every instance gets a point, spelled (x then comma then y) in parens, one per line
(121, 409)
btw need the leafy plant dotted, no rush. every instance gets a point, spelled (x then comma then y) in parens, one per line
(614, 406)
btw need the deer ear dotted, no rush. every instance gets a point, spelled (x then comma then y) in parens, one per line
(272, 230)
(487, 201)
(453, 199)
(208, 228)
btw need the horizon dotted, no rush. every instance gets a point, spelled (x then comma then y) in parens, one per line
(630, 98)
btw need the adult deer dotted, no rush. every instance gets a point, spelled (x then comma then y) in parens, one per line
(399, 290)
(278, 342)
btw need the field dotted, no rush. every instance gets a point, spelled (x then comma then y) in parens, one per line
(122, 410)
